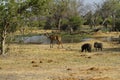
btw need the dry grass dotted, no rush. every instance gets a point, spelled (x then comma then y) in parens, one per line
(35, 31)
(106, 34)
(39, 62)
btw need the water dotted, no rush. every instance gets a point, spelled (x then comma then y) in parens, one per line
(33, 39)
(42, 39)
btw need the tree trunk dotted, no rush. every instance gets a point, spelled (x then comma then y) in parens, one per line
(3, 40)
(59, 24)
(3, 45)
(119, 39)
(113, 21)
(113, 24)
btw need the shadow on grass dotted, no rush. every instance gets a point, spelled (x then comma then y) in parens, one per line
(112, 49)
(117, 49)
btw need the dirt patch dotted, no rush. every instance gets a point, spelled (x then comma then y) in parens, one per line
(100, 78)
(33, 62)
(0, 68)
(35, 65)
(93, 69)
(67, 78)
(73, 78)
(100, 69)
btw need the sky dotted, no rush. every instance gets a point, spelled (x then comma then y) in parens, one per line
(90, 5)
(92, 1)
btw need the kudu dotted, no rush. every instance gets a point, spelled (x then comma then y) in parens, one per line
(54, 37)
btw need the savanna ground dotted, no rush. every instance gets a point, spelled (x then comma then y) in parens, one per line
(39, 62)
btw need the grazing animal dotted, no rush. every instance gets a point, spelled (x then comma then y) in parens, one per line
(98, 46)
(86, 47)
(53, 38)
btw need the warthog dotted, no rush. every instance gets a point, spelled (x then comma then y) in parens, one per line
(98, 46)
(86, 47)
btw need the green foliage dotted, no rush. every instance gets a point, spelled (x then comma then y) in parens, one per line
(75, 22)
(105, 14)
(61, 14)
(117, 20)
(35, 6)
(8, 19)
(74, 38)
(117, 25)
(31, 12)
(65, 23)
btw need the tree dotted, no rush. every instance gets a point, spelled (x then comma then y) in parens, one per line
(63, 10)
(89, 19)
(117, 21)
(109, 11)
(75, 22)
(8, 21)
(15, 11)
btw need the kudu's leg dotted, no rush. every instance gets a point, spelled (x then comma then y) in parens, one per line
(51, 44)
(60, 44)
(96, 49)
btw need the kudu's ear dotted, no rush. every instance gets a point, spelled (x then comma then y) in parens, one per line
(46, 34)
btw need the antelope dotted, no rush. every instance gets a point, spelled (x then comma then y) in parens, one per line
(53, 38)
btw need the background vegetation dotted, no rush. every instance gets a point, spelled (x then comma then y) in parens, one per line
(61, 15)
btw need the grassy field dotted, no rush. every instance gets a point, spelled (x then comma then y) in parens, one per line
(39, 62)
